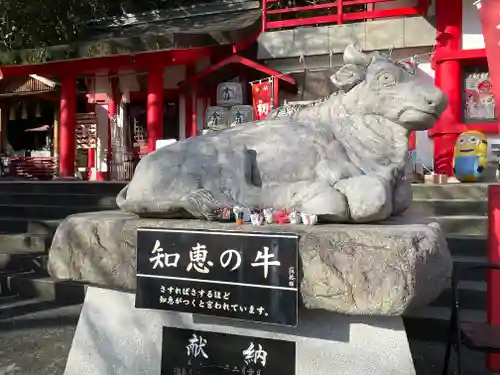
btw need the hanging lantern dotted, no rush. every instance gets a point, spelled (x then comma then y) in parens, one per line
(38, 112)
(24, 112)
(12, 113)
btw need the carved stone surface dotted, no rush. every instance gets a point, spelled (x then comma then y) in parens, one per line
(342, 159)
(382, 269)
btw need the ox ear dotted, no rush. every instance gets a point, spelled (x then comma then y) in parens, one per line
(353, 55)
(348, 76)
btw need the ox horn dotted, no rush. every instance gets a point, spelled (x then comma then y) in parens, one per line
(352, 55)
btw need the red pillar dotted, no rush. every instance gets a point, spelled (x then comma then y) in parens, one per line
(493, 291)
(446, 131)
(155, 108)
(449, 79)
(276, 92)
(67, 140)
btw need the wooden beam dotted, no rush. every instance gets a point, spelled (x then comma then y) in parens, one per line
(140, 61)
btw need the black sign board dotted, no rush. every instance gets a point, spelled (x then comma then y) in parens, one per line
(187, 352)
(249, 276)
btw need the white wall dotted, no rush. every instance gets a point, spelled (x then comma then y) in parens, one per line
(472, 35)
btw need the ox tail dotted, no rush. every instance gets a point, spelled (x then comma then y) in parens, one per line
(202, 204)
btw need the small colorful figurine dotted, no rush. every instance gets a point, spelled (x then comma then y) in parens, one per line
(294, 217)
(309, 219)
(257, 219)
(268, 215)
(469, 159)
(223, 214)
(239, 219)
(236, 211)
(281, 217)
(246, 215)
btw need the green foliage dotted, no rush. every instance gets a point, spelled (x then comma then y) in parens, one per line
(40, 23)
(35, 24)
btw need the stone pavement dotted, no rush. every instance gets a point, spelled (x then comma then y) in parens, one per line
(35, 339)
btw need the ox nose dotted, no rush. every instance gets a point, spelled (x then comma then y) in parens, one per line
(436, 100)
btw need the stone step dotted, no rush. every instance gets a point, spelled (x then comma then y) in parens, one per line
(29, 224)
(59, 200)
(460, 262)
(471, 294)
(33, 285)
(48, 212)
(5, 289)
(106, 188)
(24, 261)
(17, 243)
(464, 224)
(476, 191)
(437, 207)
(468, 245)
(432, 323)
(16, 306)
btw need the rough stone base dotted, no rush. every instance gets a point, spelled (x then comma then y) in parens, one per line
(356, 269)
(112, 338)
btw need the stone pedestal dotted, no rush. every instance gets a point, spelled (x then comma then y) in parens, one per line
(113, 337)
(357, 269)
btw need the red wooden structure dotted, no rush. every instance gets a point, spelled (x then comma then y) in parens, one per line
(228, 67)
(68, 71)
(226, 59)
(339, 13)
(494, 257)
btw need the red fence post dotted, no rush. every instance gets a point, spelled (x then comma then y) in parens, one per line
(493, 301)
(264, 15)
(67, 138)
(340, 11)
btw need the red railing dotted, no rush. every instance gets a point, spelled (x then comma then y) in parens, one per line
(339, 12)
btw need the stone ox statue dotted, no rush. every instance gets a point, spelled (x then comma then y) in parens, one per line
(342, 159)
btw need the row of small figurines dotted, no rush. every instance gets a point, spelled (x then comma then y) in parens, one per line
(266, 216)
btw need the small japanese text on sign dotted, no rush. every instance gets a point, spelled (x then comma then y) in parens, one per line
(242, 275)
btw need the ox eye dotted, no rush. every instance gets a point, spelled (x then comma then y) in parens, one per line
(461, 141)
(472, 140)
(386, 79)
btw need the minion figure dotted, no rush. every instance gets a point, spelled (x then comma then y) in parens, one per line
(469, 159)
